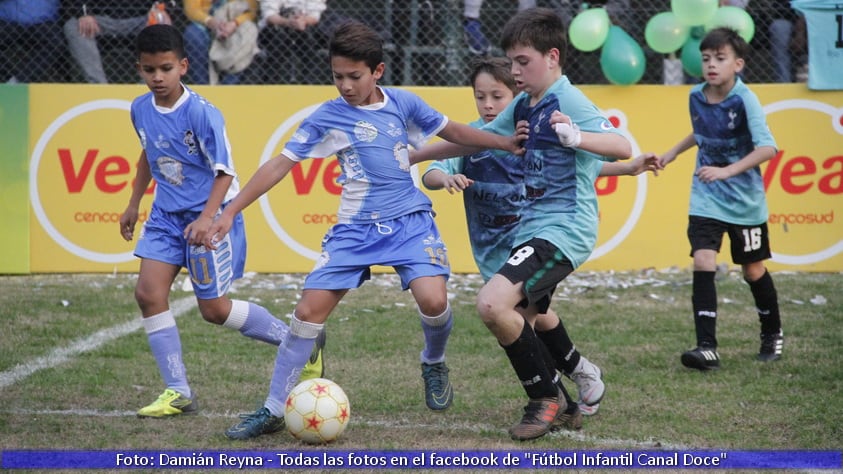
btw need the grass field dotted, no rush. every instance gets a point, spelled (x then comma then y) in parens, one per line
(75, 366)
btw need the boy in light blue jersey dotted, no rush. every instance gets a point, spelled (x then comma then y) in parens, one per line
(558, 224)
(187, 152)
(493, 182)
(383, 218)
(727, 194)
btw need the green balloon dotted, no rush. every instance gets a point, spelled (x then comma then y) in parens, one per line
(692, 58)
(589, 29)
(665, 33)
(736, 18)
(694, 12)
(622, 59)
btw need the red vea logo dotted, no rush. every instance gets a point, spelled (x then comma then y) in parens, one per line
(73, 187)
(804, 181)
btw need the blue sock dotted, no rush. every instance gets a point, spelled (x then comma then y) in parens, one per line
(163, 336)
(256, 322)
(436, 331)
(292, 355)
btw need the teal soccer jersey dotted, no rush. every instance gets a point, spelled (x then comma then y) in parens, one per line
(561, 204)
(725, 133)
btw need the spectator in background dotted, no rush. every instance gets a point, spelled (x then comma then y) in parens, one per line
(203, 28)
(30, 40)
(95, 19)
(476, 41)
(292, 32)
(775, 20)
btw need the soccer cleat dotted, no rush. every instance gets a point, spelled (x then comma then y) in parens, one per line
(589, 380)
(540, 416)
(701, 358)
(570, 418)
(169, 403)
(438, 392)
(315, 366)
(255, 424)
(771, 347)
(474, 37)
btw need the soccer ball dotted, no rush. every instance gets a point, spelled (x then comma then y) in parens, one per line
(317, 411)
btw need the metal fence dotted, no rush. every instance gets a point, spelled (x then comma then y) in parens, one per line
(427, 44)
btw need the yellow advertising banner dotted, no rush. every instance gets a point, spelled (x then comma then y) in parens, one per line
(84, 152)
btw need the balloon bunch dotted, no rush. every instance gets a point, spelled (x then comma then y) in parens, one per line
(683, 27)
(621, 59)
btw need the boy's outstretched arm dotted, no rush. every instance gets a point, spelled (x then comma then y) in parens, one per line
(464, 140)
(438, 179)
(681, 147)
(267, 176)
(633, 167)
(610, 145)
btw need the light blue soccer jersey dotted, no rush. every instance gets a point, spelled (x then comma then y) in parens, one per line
(186, 146)
(492, 204)
(561, 200)
(725, 133)
(371, 145)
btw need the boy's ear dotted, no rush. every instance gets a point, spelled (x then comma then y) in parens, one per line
(184, 64)
(552, 58)
(740, 63)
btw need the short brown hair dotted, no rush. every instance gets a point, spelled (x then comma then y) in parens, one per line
(539, 28)
(355, 40)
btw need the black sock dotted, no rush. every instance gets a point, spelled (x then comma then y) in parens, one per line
(704, 301)
(565, 355)
(551, 367)
(526, 357)
(766, 303)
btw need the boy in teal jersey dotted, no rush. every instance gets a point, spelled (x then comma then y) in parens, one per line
(557, 229)
(493, 182)
(727, 194)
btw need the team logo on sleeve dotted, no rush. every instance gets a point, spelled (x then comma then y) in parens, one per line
(365, 131)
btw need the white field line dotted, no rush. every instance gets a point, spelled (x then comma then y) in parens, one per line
(393, 424)
(181, 306)
(95, 340)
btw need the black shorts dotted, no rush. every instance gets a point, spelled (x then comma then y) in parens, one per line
(749, 243)
(540, 266)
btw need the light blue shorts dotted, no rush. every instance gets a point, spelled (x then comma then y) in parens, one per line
(410, 244)
(212, 271)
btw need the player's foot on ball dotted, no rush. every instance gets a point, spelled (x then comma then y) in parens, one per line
(701, 358)
(255, 424)
(169, 403)
(438, 392)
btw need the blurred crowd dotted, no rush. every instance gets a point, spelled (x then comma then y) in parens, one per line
(283, 41)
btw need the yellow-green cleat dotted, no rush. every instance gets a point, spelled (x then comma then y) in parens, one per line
(315, 367)
(169, 403)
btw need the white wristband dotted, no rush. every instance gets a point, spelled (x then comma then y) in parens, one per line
(569, 135)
